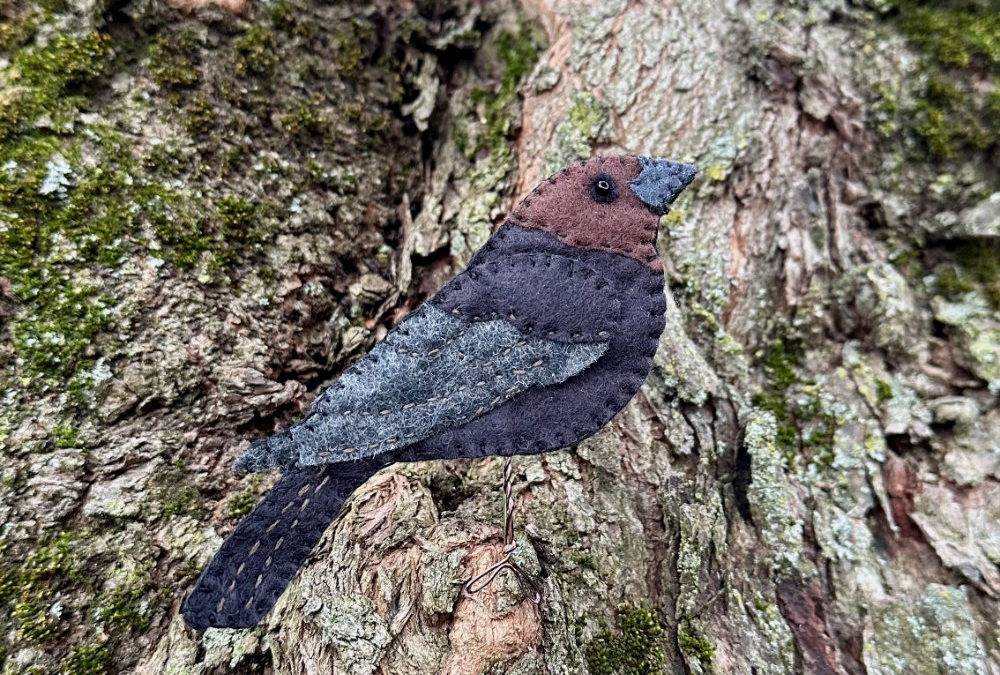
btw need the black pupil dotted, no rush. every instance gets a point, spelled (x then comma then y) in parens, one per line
(603, 189)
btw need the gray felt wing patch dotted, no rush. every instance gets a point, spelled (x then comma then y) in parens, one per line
(432, 373)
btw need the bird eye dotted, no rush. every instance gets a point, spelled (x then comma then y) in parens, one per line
(603, 189)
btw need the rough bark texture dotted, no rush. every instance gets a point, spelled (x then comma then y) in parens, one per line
(206, 217)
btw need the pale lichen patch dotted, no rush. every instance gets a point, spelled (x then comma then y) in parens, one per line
(922, 635)
(768, 492)
(977, 330)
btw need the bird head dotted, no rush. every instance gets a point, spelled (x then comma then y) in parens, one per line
(607, 203)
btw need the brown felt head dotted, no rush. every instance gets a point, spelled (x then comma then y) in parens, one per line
(607, 203)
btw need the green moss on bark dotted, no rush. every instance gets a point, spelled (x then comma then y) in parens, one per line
(518, 52)
(804, 424)
(30, 589)
(92, 659)
(257, 50)
(696, 646)
(173, 59)
(123, 607)
(47, 80)
(779, 368)
(955, 106)
(635, 647)
(969, 266)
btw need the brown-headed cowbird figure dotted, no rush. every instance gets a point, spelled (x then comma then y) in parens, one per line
(544, 337)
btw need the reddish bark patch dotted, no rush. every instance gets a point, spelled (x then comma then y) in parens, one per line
(901, 484)
(237, 7)
(802, 606)
(484, 633)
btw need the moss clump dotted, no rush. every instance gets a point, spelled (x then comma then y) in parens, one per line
(953, 35)
(355, 43)
(238, 216)
(517, 53)
(884, 390)
(981, 261)
(241, 223)
(18, 23)
(173, 59)
(87, 660)
(796, 405)
(952, 113)
(200, 116)
(122, 608)
(187, 500)
(239, 505)
(283, 14)
(307, 122)
(257, 50)
(61, 339)
(32, 586)
(64, 435)
(948, 119)
(823, 425)
(166, 160)
(696, 646)
(779, 369)
(952, 283)
(35, 622)
(182, 236)
(970, 266)
(75, 199)
(635, 648)
(68, 208)
(46, 80)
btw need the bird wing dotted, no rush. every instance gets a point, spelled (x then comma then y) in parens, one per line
(497, 329)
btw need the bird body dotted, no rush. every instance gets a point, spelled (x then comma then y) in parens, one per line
(537, 344)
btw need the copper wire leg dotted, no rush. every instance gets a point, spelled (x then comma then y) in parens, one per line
(486, 577)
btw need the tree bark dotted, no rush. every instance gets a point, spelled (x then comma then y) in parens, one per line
(807, 482)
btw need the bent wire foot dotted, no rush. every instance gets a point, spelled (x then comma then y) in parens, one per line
(486, 577)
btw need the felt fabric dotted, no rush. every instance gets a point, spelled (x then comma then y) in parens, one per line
(433, 372)
(604, 188)
(254, 565)
(572, 274)
(541, 294)
(565, 205)
(661, 181)
(549, 418)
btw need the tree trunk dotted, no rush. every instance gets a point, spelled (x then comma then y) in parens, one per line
(208, 217)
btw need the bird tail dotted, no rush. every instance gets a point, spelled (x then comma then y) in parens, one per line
(258, 560)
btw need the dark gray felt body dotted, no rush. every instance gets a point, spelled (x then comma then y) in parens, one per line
(433, 372)
(550, 418)
(576, 299)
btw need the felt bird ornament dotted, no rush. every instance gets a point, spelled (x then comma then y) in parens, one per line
(536, 345)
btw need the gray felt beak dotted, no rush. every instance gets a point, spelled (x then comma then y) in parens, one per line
(661, 181)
